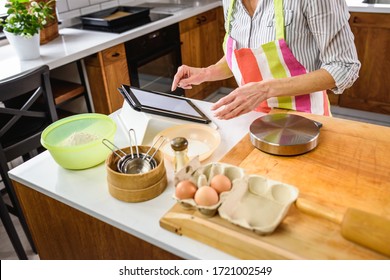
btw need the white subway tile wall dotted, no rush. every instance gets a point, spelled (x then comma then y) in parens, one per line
(69, 14)
(77, 4)
(110, 4)
(90, 9)
(96, 1)
(68, 9)
(62, 6)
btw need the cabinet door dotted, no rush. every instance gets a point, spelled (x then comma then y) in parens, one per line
(107, 70)
(202, 46)
(372, 38)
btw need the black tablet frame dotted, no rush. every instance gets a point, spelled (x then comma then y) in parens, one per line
(132, 100)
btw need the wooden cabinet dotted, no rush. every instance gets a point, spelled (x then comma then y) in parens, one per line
(107, 70)
(201, 45)
(371, 92)
(77, 235)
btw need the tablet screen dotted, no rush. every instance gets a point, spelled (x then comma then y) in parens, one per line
(168, 103)
(163, 104)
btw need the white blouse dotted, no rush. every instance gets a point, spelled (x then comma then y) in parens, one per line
(316, 31)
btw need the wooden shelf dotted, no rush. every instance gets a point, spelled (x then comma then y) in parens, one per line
(64, 91)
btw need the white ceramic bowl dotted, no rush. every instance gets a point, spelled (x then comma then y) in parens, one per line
(202, 140)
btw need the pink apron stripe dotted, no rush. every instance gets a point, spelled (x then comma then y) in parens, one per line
(229, 51)
(302, 102)
(293, 65)
(248, 66)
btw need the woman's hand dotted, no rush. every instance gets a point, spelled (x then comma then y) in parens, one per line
(187, 76)
(241, 101)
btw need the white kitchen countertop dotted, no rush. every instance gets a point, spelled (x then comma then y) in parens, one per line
(74, 44)
(87, 191)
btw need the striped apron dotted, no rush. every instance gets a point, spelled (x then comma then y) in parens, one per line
(272, 60)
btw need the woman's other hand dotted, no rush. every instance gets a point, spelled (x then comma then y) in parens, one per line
(240, 101)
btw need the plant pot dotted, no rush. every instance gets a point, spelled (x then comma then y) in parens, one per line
(50, 30)
(26, 48)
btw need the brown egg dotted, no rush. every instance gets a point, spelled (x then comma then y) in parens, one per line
(185, 189)
(221, 183)
(206, 196)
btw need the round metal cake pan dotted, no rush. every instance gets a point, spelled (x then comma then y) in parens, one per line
(284, 134)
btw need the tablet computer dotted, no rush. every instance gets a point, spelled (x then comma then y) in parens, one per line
(162, 104)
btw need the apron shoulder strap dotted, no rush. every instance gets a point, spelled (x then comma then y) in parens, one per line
(279, 19)
(229, 15)
(227, 26)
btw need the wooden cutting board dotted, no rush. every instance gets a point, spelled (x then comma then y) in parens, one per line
(349, 168)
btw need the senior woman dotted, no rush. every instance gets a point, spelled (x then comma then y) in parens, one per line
(283, 54)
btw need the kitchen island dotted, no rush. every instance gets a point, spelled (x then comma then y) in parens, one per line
(70, 212)
(73, 216)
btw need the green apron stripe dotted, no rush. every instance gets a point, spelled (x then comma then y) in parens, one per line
(285, 102)
(225, 43)
(277, 70)
(275, 65)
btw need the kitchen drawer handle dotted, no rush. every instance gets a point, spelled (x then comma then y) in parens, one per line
(201, 20)
(115, 54)
(355, 20)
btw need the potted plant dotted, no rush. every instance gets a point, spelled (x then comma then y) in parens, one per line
(23, 23)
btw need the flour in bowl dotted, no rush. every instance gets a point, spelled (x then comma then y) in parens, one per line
(80, 138)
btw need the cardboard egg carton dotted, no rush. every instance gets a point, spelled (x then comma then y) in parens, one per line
(254, 201)
(258, 203)
(201, 176)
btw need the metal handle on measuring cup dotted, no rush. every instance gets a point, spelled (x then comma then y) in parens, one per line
(152, 156)
(132, 131)
(113, 145)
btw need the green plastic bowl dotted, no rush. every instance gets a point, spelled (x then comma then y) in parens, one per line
(76, 142)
